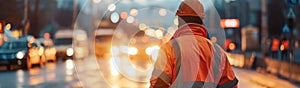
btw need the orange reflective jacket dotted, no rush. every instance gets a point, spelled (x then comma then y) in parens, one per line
(275, 44)
(190, 60)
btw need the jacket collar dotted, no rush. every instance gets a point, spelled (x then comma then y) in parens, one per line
(191, 29)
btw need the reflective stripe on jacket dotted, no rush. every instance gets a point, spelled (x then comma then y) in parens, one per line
(190, 60)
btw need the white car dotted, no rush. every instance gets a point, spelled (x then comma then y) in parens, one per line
(70, 46)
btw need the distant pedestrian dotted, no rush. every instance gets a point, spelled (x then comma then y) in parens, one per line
(284, 47)
(275, 47)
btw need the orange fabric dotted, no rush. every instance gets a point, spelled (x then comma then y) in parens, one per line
(286, 44)
(275, 44)
(207, 53)
(191, 8)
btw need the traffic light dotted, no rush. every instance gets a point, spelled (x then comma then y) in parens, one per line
(1, 32)
(230, 23)
(1, 27)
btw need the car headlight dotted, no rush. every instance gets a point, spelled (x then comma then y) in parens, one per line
(53, 50)
(132, 50)
(41, 51)
(70, 51)
(20, 55)
(149, 50)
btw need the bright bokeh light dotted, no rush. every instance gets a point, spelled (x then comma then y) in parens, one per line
(133, 41)
(41, 51)
(69, 64)
(81, 37)
(171, 30)
(70, 52)
(214, 39)
(20, 75)
(154, 53)
(114, 50)
(176, 22)
(47, 35)
(8, 27)
(282, 47)
(162, 12)
(20, 55)
(132, 51)
(1, 25)
(134, 12)
(232, 46)
(96, 1)
(143, 26)
(114, 17)
(150, 32)
(124, 49)
(113, 69)
(230, 23)
(130, 19)
(159, 34)
(124, 15)
(112, 7)
(150, 50)
(69, 67)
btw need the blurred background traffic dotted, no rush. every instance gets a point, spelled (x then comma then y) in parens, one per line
(114, 43)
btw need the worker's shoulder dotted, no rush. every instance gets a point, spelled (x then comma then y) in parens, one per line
(167, 45)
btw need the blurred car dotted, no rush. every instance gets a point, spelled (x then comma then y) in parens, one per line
(142, 46)
(63, 44)
(49, 51)
(36, 54)
(103, 41)
(21, 53)
(80, 44)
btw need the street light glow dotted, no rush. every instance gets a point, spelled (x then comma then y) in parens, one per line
(112, 7)
(130, 19)
(134, 12)
(159, 34)
(162, 12)
(124, 15)
(176, 22)
(114, 17)
(230, 23)
(8, 27)
(142, 26)
(96, 1)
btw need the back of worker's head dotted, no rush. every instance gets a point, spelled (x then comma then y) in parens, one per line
(190, 11)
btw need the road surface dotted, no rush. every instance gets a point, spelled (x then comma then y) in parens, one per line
(101, 73)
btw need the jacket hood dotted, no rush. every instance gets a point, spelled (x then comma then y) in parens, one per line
(190, 29)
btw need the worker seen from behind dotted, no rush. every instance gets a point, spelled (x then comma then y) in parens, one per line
(189, 59)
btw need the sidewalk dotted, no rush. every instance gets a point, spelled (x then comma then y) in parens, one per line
(253, 79)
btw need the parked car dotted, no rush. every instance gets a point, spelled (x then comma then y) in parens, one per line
(68, 46)
(49, 49)
(21, 53)
(36, 54)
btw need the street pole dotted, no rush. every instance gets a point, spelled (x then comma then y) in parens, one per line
(264, 24)
(25, 18)
(74, 12)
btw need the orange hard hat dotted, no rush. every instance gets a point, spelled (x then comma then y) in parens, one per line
(191, 8)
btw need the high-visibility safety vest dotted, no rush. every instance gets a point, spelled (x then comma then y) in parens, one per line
(192, 61)
(285, 44)
(275, 45)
